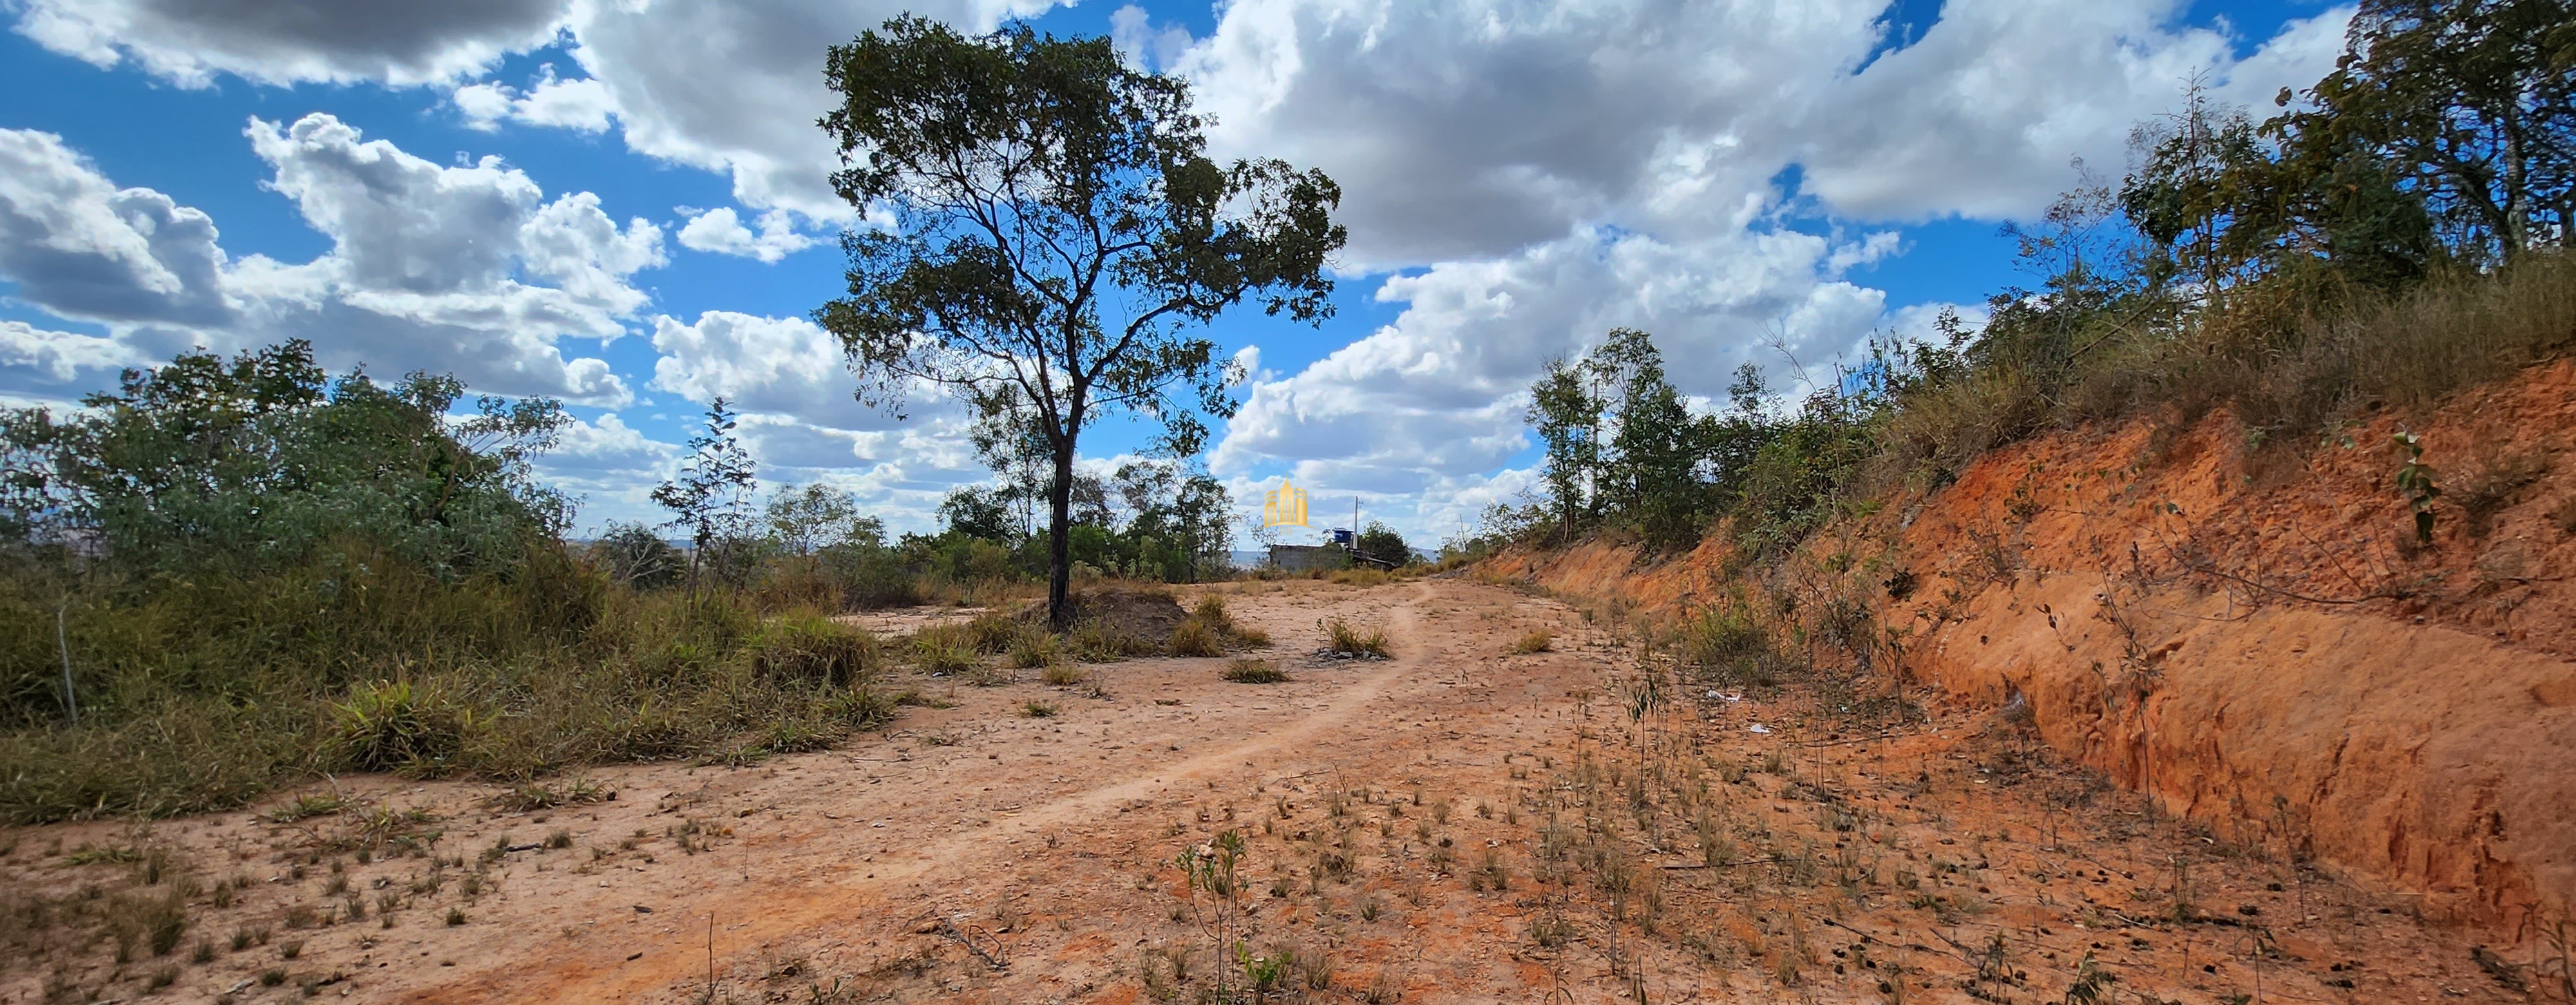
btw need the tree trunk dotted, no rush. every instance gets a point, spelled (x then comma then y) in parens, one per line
(1060, 539)
(2516, 192)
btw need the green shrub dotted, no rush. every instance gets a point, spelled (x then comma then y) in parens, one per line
(1728, 647)
(872, 576)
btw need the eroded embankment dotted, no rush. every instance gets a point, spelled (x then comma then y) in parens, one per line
(2255, 641)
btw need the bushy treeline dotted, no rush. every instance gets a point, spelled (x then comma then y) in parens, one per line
(2396, 231)
(230, 571)
(227, 572)
(1153, 521)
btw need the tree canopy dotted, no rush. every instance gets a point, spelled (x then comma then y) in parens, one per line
(1058, 230)
(253, 464)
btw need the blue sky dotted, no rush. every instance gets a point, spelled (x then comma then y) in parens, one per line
(620, 205)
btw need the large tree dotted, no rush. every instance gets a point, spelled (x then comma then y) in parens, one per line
(1057, 231)
(2468, 106)
(1565, 408)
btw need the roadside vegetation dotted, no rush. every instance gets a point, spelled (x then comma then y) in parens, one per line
(231, 573)
(2392, 234)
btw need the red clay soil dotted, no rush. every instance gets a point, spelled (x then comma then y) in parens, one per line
(2255, 639)
(1455, 824)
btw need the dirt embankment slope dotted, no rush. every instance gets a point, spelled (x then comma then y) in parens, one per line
(2256, 641)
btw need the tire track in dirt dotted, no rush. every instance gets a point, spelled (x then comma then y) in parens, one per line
(787, 909)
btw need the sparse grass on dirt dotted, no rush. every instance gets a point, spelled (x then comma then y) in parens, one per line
(1538, 641)
(1585, 805)
(528, 796)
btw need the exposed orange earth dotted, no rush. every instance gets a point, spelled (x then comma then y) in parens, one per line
(1453, 824)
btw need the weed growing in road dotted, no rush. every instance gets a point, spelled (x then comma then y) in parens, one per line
(1343, 639)
(1244, 670)
(1039, 709)
(1538, 641)
(538, 796)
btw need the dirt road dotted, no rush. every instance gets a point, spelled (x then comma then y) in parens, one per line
(1453, 824)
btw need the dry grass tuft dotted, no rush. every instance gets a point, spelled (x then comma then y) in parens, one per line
(1245, 670)
(1538, 641)
(1100, 641)
(1194, 638)
(1032, 649)
(1360, 577)
(943, 649)
(1341, 638)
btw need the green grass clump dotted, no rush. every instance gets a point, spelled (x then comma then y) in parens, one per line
(806, 646)
(994, 633)
(396, 726)
(1033, 648)
(943, 649)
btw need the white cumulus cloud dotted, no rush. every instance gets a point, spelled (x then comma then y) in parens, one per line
(580, 104)
(721, 231)
(467, 269)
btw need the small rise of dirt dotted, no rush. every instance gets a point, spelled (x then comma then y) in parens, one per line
(1141, 612)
